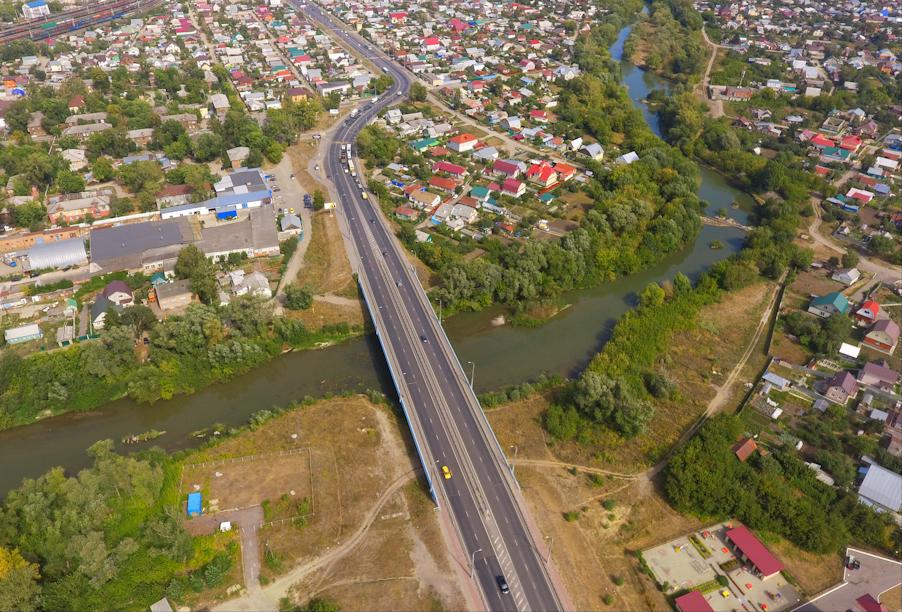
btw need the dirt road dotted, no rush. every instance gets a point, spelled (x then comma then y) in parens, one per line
(881, 270)
(248, 520)
(716, 106)
(267, 598)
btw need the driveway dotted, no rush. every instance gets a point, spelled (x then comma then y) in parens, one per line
(291, 195)
(876, 576)
(248, 521)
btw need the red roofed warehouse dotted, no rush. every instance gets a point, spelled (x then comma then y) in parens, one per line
(750, 549)
(693, 601)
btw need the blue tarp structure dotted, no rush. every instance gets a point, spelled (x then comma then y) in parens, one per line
(194, 501)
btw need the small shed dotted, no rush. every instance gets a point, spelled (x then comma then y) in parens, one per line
(194, 504)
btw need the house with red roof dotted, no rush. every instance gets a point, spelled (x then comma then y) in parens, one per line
(443, 184)
(749, 549)
(398, 16)
(501, 167)
(449, 168)
(822, 142)
(868, 312)
(693, 601)
(538, 116)
(513, 187)
(744, 448)
(850, 143)
(542, 174)
(565, 172)
(432, 43)
(463, 143)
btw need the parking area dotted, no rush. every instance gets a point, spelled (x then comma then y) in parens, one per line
(703, 561)
(875, 576)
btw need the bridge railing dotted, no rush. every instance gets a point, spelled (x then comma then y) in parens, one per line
(412, 424)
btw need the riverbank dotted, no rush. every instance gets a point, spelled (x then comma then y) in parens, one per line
(290, 480)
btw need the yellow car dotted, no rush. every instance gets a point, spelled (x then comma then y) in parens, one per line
(446, 472)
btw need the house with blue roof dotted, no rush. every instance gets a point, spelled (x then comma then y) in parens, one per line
(35, 9)
(829, 304)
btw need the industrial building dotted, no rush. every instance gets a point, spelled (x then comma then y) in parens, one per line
(59, 254)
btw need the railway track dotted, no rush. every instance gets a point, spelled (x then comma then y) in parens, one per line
(49, 26)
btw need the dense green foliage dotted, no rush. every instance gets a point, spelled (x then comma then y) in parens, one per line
(187, 352)
(670, 39)
(615, 390)
(776, 493)
(105, 539)
(298, 298)
(821, 336)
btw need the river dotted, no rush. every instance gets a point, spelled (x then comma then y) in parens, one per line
(503, 355)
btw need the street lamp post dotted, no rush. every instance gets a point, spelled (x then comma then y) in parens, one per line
(473, 561)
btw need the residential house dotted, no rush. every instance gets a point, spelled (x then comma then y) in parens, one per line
(513, 187)
(744, 448)
(173, 295)
(462, 143)
(868, 312)
(173, 195)
(406, 213)
(220, 104)
(841, 387)
(424, 199)
(542, 174)
(237, 156)
(449, 168)
(508, 169)
(74, 207)
(878, 375)
(829, 304)
(99, 310)
(443, 184)
(119, 293)
(883, 336)
(847, 277)
(594, 150)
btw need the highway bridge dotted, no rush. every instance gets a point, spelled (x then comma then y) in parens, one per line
(482, 497)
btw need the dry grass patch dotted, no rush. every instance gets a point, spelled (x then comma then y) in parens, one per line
(814, 573)
(326, 313)
(300, 155)
(326, 267)
(400, 564)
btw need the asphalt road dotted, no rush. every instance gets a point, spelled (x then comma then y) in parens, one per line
(446, 419)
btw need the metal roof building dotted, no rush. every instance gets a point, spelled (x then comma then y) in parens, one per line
(881, 489)
(58, 254)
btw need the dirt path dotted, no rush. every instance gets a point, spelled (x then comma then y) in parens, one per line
(267, 598)
(248, 521)
(716, 106)
(882, 271)
(581, 468)
(331, 298)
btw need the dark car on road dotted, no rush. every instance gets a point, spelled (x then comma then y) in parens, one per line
(502, 585)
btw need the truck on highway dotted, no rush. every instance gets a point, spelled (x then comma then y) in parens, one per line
(355, 112)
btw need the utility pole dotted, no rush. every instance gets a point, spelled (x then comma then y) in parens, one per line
(472, 373)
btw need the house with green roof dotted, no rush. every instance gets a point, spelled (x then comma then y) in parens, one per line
(829, 304)
(423, 144)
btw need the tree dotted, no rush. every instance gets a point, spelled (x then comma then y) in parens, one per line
(418, 92)
(206, 147)
(70, 182)
(30, 214)
(653, 295)
(194, 265)
(319, 201)
(850, 259)
(298, 298)
(102, 169)
(141, 176)
(18, 581)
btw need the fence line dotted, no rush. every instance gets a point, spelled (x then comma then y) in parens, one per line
(245, 458)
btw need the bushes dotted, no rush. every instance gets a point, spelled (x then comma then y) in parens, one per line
(776, 493)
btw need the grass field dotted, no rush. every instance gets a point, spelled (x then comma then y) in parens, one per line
(326, 268)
